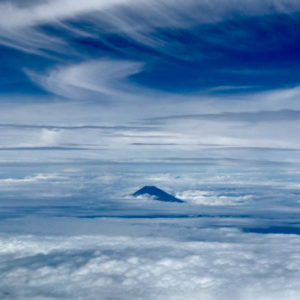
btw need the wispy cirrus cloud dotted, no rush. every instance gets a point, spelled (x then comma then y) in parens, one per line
(147, 23)
(189, 74)
(104, 77)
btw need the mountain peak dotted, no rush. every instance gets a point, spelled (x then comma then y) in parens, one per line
(157, 193)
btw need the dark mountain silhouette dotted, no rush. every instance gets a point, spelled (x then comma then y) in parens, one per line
(157, 193)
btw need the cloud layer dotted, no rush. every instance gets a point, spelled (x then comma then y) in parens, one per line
(89, 267)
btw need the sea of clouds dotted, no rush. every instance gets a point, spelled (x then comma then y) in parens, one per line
(74, 231)
(239, 266)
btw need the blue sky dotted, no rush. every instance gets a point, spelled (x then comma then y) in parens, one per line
(132, 74)
(189, 48)
(101, 97)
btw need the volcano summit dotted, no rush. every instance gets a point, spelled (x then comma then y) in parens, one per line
(157, 194)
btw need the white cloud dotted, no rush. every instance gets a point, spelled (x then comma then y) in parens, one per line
(49, 137)
(89, 267)
(211, 198)
(30, 179)
(15, 16)
(106, 77)
(18, 22)
(106, 81)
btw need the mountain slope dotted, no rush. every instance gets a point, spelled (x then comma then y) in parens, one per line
(157, 193)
